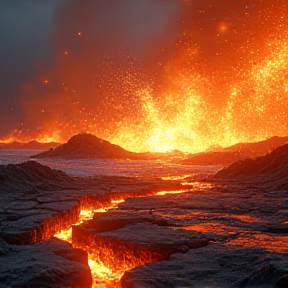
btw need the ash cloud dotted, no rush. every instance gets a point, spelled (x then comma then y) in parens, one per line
(94, 45)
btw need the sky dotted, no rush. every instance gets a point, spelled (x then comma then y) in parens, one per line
(147, 74)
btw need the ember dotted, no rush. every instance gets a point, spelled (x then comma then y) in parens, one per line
(233, 91)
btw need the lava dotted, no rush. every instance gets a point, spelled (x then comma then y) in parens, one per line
(100, 273)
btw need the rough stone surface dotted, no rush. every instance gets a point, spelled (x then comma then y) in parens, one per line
(270, 170)
(135, 244)
(213, 266)
(49, 264)
(242, 224)
(236, 152)
(35, 203)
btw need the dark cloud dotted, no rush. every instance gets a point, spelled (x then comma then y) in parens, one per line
(188, 71)
(24, 28)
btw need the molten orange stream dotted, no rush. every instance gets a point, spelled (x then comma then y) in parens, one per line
(100, 273)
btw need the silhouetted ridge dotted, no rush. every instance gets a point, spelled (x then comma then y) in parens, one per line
(271, 168)
(88, 146)
(32, 145)
(237, 152)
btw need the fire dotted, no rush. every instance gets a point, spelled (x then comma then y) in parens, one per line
(190, 104)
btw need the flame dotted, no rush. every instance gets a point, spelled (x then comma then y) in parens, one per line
(190, 105)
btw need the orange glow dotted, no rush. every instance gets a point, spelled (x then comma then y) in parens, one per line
(100, 273)
(269, 242)
(172, 192)
(222, 27)
(175, 177)
(191, 106)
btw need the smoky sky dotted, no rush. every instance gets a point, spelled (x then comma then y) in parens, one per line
(33, 32)
(24, 29)
(63, 44)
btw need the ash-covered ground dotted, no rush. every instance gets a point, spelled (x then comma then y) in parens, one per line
(225, 231)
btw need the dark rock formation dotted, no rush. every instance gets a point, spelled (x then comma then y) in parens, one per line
(89, 146)
(271, 169)
(213, 266)
(36, 201)
(236, 152)
(32, 145)
(248, 225)
(49, 264)
(135, 244)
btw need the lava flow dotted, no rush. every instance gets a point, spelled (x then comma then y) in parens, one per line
(101, 274)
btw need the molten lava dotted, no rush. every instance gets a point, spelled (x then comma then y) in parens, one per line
(100, 272)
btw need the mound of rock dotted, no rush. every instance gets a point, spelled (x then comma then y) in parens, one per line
(271, 168)
(32, 174)
(236, 152)
(48, 264)
(88, 146)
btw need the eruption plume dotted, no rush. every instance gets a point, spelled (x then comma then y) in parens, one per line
(161, 75)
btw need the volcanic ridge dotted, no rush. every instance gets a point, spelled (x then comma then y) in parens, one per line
(235, 152)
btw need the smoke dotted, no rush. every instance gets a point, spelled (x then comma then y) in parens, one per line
(96, 47)
(162, 74)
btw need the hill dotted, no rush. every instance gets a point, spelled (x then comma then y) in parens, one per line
(236, 152)
(271, 168)
(89, 146)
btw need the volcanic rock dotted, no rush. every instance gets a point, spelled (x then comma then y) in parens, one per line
(49, 264)
(236, 152)
(32, 174)
(89, 146)
(135, 244)
(270, 169)
(213, 266)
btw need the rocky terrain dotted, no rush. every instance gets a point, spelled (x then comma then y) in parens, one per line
(229, 231)
(48, 264)
(35, 203)
(270, 170)
(226, 236)
(236, 152)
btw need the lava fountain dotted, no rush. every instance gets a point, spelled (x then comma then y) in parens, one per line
(186, 95)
